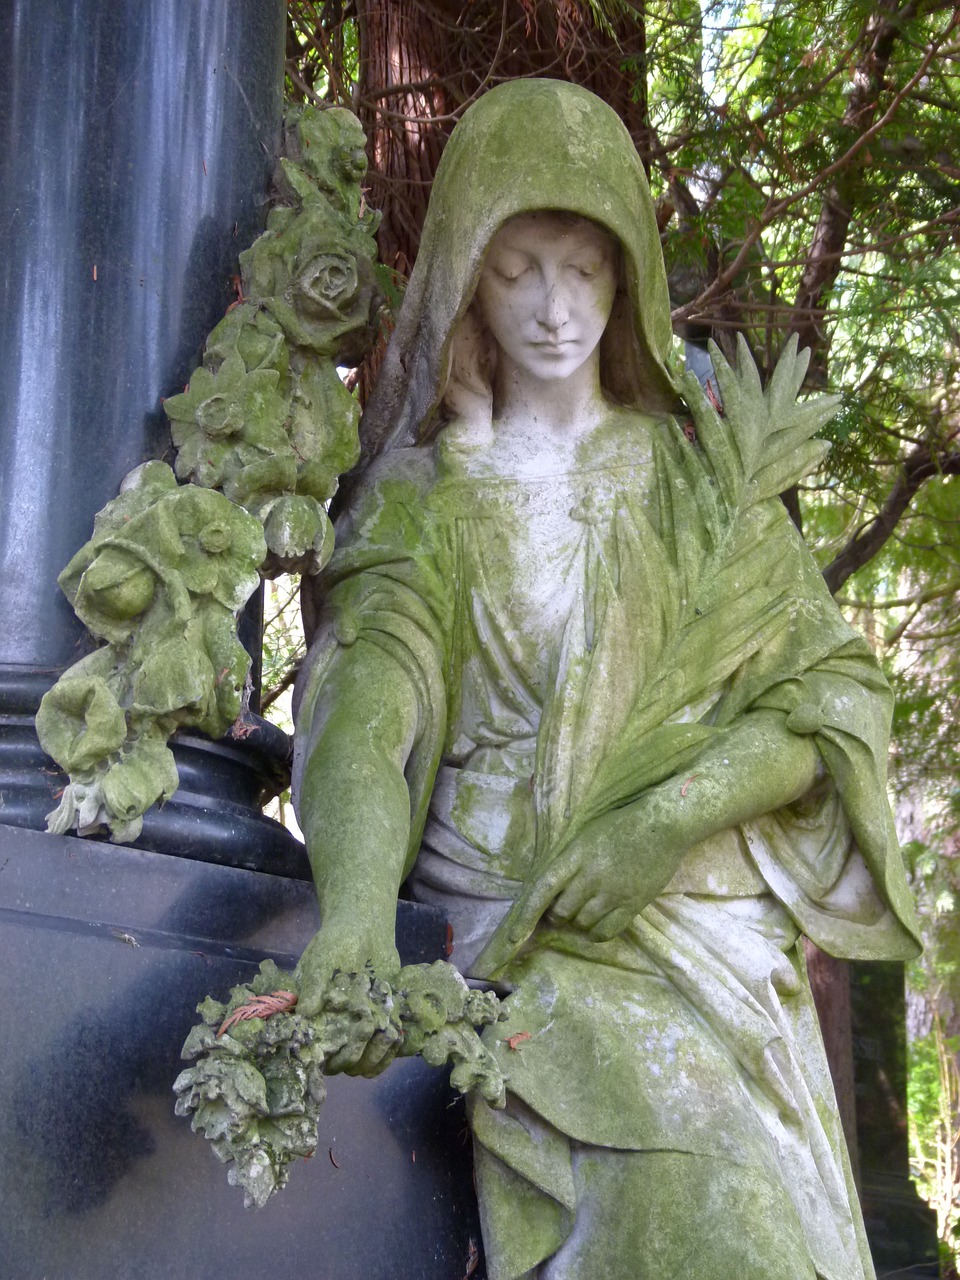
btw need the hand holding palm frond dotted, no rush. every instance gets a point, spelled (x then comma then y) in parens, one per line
(685, 605)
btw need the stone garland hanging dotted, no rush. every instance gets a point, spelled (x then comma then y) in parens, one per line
(263, 431)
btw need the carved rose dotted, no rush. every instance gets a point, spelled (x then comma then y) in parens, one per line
(327, 297)
(313, 276)
(326, 286)
(220, 416)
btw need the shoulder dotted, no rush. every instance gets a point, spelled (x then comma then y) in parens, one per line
(626, 437)
(412, 470)
(396, 482)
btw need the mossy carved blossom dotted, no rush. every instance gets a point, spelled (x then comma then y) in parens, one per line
(267, 419)
(160, 581)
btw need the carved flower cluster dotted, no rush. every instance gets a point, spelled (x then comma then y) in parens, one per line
(263, 431)
(311, 275)
(256, 1089)
(161, 580)
(266, 419)
(325, 160)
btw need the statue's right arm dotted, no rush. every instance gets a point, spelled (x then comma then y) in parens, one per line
(355, 815)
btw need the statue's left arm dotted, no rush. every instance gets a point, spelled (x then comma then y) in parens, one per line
(805, 720)
(622, 860)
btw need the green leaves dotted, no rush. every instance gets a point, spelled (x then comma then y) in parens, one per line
(764, 442)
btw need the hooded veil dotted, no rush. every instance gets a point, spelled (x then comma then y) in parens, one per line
(527, 145)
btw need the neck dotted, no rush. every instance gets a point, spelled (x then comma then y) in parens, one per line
(565, 408)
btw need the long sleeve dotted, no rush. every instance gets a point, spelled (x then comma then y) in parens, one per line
(832, 858)
(390, 587)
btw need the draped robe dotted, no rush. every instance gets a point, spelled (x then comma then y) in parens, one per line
(506, 604)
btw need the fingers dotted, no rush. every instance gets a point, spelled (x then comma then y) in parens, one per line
(572, 893)
(311, 991)
(599, 914)
(613, 924)
(333, 978)
(584, 905)
(594, 910)
(568, 892)
(370, 1037)
(313, 973)
(370, 1059)
(381, 1066)
(379, 1053)
(573, 901)
(310, 1007)
(525, 914)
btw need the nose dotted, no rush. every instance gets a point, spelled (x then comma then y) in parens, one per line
(553, 310)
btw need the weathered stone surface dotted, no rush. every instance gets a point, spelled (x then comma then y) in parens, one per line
(162, 579)
(577, 679)
(258, 1084)
(267, 420)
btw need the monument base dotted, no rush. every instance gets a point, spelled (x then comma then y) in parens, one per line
(107, 950)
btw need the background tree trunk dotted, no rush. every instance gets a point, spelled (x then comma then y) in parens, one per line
(830, 984)
(403, 104)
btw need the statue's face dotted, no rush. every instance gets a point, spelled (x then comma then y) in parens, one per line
(547, 290)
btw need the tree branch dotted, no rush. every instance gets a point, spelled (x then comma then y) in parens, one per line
(775, 208)
(903, 602)
(836, 213)
(919, 466)
(271, 695)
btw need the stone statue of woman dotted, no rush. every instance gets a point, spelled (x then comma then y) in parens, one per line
(577, 680)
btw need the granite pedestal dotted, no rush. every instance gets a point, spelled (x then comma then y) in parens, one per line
(106, 951)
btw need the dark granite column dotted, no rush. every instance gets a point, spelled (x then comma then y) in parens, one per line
(137, 138)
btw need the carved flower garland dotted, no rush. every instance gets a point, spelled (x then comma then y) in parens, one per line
(263, 431)
(257, 1083)
(161, 580)
(266, 419)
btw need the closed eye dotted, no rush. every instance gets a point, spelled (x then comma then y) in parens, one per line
(509, 274)
(508, 265)
(589, 268)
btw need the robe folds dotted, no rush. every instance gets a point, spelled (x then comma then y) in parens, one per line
(534, 620)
